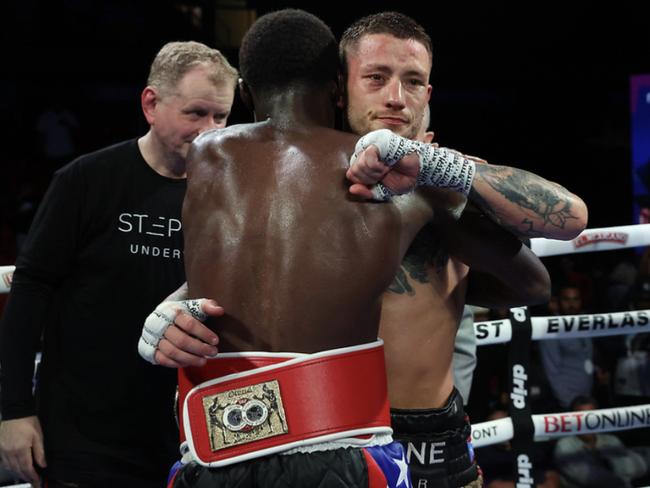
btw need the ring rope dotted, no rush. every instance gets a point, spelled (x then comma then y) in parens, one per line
(591, 240)
(6, 275)
(567, 326)
(522, 426)
(554, 425)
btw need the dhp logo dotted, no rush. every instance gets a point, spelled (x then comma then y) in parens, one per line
(524, 472)
(519, 391)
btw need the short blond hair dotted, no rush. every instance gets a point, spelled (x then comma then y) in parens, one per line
(175, 59)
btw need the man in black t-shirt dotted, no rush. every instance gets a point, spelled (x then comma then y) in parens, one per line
(107, 232)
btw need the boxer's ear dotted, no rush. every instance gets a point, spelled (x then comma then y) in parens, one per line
(246, 95)
(428, 137)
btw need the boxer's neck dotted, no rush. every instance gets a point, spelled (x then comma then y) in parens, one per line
(296, 107)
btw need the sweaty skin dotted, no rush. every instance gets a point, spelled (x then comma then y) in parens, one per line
(428, 302)
(298, 265)
(449, 264)
(388, 88)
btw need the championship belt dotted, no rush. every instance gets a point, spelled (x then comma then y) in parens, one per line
(276, 402)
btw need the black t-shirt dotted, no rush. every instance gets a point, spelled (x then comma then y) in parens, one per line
(105, 247)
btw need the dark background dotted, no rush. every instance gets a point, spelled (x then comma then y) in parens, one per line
(543, 86)
(538, 85)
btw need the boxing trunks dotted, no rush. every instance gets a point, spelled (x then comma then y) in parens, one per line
(263, 419)
(438, 445)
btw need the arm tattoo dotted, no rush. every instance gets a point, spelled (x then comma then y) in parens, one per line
(400, 284)
(416, 268)
(546, 202)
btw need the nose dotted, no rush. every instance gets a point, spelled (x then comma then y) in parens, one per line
(395, 98)
(209, 124)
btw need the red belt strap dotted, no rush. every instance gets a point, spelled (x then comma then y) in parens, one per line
(305, 400)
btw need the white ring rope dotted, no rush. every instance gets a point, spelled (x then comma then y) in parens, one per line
(567, 326)
(590, 240)
(6, 274)
(553, 425)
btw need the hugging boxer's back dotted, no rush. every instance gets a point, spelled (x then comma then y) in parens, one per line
(272, 233)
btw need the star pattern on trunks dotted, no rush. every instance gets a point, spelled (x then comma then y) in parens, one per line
(403, 479)
(391, 460)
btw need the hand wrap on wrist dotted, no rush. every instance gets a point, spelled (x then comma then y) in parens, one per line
(161, 319)
(439, 167)
(445, 168)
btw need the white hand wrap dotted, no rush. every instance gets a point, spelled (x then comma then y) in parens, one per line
(445, 168)
(392, 147)
(439, 166)
(161, 319)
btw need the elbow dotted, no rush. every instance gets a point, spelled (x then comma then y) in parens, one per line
(577, 220)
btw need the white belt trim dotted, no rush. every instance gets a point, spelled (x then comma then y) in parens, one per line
(301, 444)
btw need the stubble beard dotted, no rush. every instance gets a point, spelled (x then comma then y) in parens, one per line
(362, 125)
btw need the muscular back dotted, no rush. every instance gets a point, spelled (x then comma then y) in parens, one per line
(271, 231)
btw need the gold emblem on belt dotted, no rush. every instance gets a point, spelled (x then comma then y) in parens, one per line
(244, 415)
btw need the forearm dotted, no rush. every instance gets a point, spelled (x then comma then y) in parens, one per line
(20, 333)
(527, 204)
(524, 203)
(509, 280)
(486, 290)
(503, 271)
(42, 268)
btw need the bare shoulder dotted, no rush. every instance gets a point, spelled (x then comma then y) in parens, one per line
(222, 145)
(345, 138)
(416, 212)
(214, 138)
(337, 143)
(327, 138)
(447, 204)
(317, 143)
